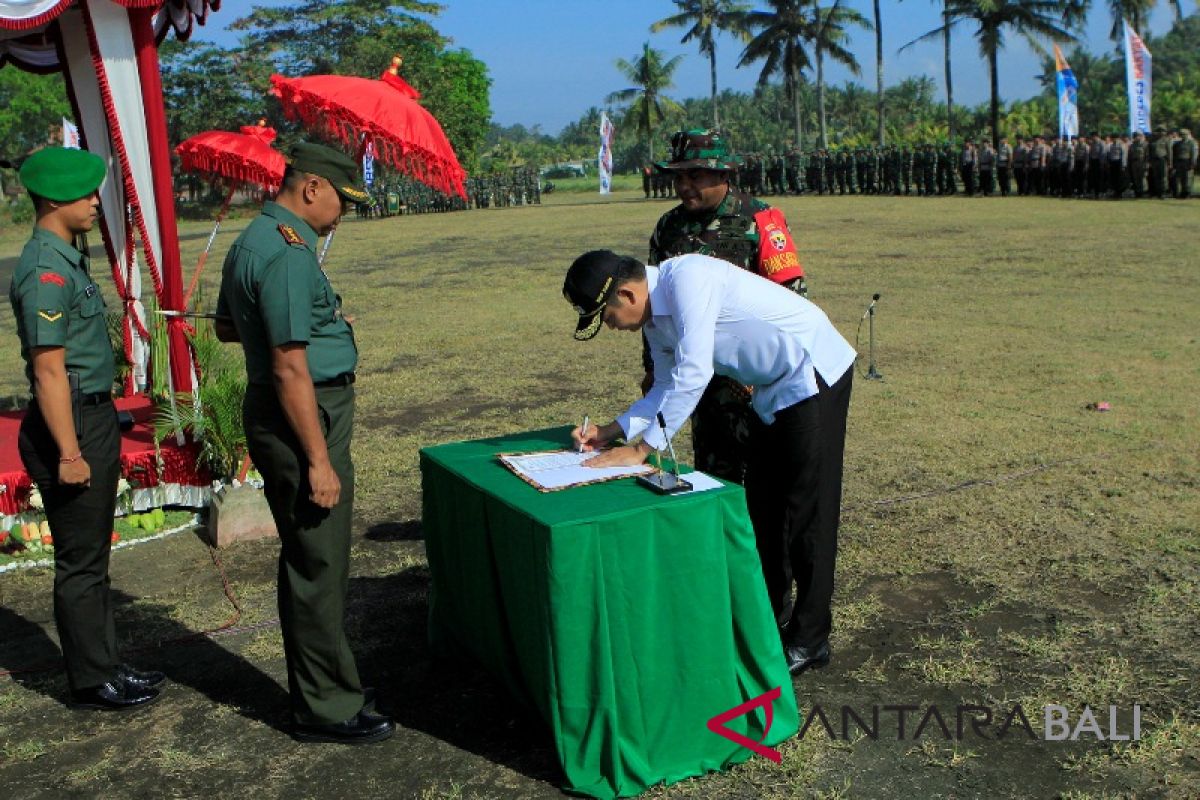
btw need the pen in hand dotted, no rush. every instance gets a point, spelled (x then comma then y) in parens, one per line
(583, 432)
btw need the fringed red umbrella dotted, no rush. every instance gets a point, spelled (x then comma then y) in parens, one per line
(239, 159)
(236, 160)
(382, 112)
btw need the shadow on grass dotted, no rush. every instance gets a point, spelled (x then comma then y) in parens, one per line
(407, 531)
(449, 699)
(187, 658)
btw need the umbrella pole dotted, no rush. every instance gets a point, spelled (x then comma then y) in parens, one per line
(325, 247)
(187, 299)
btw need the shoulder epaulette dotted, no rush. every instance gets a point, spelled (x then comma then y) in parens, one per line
(290, 235)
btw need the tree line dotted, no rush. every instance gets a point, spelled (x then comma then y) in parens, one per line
(209, 87)
(791, 42)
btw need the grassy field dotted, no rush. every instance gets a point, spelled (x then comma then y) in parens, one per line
(1002, 542)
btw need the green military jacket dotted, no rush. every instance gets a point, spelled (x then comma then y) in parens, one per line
(276, 293)
(1184, 150)
(729, 232)
(57, 304)
(1160, 148)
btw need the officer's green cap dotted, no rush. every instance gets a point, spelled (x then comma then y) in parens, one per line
(700, 149)
(62, 174)
(332, 165)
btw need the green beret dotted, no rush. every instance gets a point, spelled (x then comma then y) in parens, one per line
(332, 165)
(62, 174)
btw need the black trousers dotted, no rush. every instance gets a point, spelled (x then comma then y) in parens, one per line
(794, 494)
(81, 521)
(1181, 179)
(1158, 177)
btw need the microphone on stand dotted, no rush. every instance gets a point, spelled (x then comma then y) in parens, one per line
(872, 373)
(871, 308)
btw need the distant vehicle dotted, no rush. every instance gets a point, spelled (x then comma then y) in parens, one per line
(565, 170)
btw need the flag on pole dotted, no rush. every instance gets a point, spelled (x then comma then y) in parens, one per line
(70, 134)
(604, 160)
(369, 164)
(1137, 80)
(1068, 97)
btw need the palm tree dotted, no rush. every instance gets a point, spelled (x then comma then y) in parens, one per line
(778, 40)
(945, 34)
(1136, 11)
(703, 18)
(878, 76)
(993, 18)
(651, 76)
(828, 35)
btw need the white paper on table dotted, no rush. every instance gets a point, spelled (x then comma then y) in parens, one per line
(700, 481)
(561, 469)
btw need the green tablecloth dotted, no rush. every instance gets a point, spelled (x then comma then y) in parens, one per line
(627, 619)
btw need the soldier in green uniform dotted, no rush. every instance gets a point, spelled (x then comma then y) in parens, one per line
(1184, 157)
(1139, 152)
(1160, 162)
(69, 441)
(299, 414)
(716, 218)
(794, 169)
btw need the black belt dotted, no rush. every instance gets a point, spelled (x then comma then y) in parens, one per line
(345, 379)
(95, 399)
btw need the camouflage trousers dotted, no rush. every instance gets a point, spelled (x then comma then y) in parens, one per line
(721, 430)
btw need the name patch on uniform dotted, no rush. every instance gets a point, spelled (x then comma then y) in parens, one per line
(289, 234)
(50, 316)
(776, 250)
(53, 277)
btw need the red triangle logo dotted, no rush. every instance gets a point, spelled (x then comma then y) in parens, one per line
(717, 724)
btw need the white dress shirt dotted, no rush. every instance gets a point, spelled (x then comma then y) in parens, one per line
(708, 316)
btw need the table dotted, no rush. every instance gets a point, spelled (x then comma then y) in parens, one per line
(625, 618)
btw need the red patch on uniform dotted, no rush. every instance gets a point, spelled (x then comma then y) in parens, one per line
(53, 277)
(289, 234)
(776, 250)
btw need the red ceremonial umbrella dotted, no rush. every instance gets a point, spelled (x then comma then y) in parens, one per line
(236, 159)
(358, 111)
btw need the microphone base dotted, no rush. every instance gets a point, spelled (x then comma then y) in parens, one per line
(874, 374)
(664, 483)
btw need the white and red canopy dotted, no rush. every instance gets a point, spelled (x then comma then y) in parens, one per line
(107, 51)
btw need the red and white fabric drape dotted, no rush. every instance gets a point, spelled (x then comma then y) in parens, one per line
(108, 53)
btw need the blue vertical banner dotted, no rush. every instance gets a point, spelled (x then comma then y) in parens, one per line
(1137, 80)
(1068, 97)
(369, 164)
(604, 161)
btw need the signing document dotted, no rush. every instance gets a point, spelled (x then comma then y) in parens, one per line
(549, 471)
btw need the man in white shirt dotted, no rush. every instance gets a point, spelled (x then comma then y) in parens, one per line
(703, 316)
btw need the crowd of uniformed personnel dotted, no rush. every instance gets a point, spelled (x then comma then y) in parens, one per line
(401, 195)
(1095, 166)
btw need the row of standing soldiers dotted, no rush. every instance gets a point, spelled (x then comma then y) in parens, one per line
(1090, 166)
(1102, 166)
(400, 195)
(520, 186)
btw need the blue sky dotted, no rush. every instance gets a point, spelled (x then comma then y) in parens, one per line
(550, 60)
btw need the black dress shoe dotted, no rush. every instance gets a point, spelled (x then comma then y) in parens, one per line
(150, 679)
(802, 658)
(115, 695)
(363, 728)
